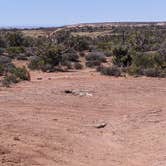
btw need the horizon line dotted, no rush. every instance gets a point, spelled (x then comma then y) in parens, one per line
(81, 23)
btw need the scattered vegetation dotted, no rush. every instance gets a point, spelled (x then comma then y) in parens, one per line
(121, 57)
(78, 66)
(15, 75)
(95, 59)
(110, 71)
(136, 50)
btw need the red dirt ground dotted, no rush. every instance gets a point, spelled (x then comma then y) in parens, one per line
(40, 125)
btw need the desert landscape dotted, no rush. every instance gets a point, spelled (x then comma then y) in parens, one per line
(42, 125)
(83, 95)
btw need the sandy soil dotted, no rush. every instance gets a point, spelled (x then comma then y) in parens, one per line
(40, 125)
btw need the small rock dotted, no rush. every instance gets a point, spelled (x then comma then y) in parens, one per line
(68, 91)
(16, 138)
(3, 151)
(80, 93)
(55, 119)
(39, 78)
(100, 126)
(89, 94)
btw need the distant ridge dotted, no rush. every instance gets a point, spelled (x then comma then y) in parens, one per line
(159, 23)
(119, 24)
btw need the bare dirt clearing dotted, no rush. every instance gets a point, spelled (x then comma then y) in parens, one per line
(41, 125)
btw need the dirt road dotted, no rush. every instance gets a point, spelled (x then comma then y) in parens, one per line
(40, 125)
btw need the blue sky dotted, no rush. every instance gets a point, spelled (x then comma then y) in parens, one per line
(63, 12)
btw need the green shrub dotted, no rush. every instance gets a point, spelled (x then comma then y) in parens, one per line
(95, 59)
(151, 72)
(73, 57)
(12, 78)
(93, 64)
(160, 60)
(52, 56)
(6, 81)
(47, 67)
(104, 45)
(6, 68)
(96, 56)
(15, 76)
(150, 64)
(143, 60)
(108, 53)
(21, 73)
(81, 44)
(15, 50)
(36, 63)
(68, 64)
(22, 56)
(15, 38)
(78, 66)
(1, 69)
(78, 43)
(3, 42)
(4, 60)
(2, 50)
(121, 57)
(28, 41)
(111, 71)
(135, 70)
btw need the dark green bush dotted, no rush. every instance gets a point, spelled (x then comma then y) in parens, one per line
(93, 64)
(9, 79)
(78, 66)
(1, 69)
(16, 75)
(135, 70)
(4, 60)
(21, 73)
(6, 68)
(68, 64)
(28, 41)
(53, 57)
(78, 43)
(22, 56)
(108, 53)
(15, 50)
(73, 57)
(110, 71)
(36, 63)
(95, 59)
(15, 39)
(3, 42)
(151, 72)
(47, 68)
(6, 82)
(2, 50)
(121, 57)
(96, 56)
(104, 45)
(143, 60)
